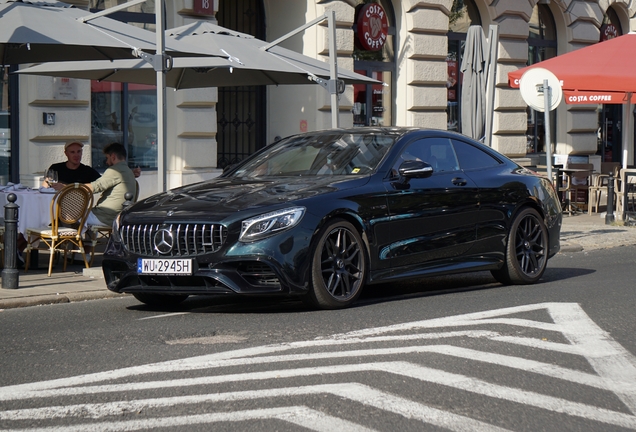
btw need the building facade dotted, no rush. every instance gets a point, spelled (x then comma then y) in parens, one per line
(418, 55)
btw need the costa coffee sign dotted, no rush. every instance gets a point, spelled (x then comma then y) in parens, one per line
(608, 31)
(373, 27)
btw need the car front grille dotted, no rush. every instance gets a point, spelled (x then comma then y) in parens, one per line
(179, 239)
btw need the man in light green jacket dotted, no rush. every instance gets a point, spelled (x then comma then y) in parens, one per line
(116, 181)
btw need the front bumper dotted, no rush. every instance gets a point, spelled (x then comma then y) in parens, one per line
(277, 265)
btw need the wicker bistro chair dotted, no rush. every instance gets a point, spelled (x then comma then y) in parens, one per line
(69, 209)
(623, 183)
(600, 182)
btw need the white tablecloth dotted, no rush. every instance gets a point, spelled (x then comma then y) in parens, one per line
(35, 208)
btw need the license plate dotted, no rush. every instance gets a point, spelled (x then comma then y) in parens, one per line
(166, 266)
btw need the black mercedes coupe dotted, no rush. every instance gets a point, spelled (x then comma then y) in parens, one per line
(322, 214)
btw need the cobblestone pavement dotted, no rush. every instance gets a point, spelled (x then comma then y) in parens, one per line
(589, 232)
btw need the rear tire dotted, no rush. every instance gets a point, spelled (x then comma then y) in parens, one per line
(526, 250)
(339, 266)
(160, 299)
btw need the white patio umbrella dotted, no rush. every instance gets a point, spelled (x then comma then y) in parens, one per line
(473, 68)
(248, 64)
(33, 31)
(251, 62)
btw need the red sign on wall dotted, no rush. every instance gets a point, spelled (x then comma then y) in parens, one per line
(451, 80)
(373, 27)
(206, 7)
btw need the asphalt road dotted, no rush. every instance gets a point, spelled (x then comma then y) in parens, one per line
(449, 353)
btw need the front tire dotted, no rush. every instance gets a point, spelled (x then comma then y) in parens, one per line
(339, 266)
(526, 250)
(163, 300)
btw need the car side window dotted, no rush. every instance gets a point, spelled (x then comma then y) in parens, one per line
(438, 152)
(470, 157)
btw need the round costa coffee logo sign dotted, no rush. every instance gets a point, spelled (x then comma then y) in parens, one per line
(608, 31)
(373, 27)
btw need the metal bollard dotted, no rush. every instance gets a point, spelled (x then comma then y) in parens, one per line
(609, 216)
(10, 274)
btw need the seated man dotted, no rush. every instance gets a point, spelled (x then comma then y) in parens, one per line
(73, 170)
(116, 181)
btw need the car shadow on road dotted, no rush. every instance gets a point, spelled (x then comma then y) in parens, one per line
(372, 294)
(440, 285)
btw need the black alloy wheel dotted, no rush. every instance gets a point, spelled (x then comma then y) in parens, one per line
(526, 251)
(339, 266)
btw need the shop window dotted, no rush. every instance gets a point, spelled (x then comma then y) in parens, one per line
(374, 56)
(125, 113)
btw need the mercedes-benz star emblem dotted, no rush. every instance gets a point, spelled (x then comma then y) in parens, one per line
(163, 241)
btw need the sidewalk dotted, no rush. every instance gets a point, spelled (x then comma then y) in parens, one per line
(77, 283)
(579, 233)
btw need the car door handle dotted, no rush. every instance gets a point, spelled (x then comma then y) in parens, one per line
(458, 181)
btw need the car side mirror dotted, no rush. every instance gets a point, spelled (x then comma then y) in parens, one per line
(415, 169)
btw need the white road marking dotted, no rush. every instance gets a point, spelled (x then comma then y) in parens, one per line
(163, 315)
(299, 415)
(356, 392)
(410, 370)
(213, 361)
(615, 370)
(531, 366)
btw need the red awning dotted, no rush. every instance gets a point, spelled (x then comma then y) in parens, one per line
(602, 73)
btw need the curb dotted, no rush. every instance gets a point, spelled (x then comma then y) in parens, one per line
(41, 300)
(570, 247)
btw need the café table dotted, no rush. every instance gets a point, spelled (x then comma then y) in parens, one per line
(35, 207)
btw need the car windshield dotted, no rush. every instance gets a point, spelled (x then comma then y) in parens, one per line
(321, 154)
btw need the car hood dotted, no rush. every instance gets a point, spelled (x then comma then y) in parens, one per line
(218, 198)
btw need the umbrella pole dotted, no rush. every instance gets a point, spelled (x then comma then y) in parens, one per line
(333, 88)
(493, 42)
(547, 102)
(161, 100)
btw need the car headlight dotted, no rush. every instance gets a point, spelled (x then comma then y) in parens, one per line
(268, 224)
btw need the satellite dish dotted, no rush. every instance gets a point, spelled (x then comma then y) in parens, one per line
(531, 86)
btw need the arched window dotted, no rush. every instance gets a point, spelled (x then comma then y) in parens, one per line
(610, 139)
(464, 13)
(542, 45)
(373, 104)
